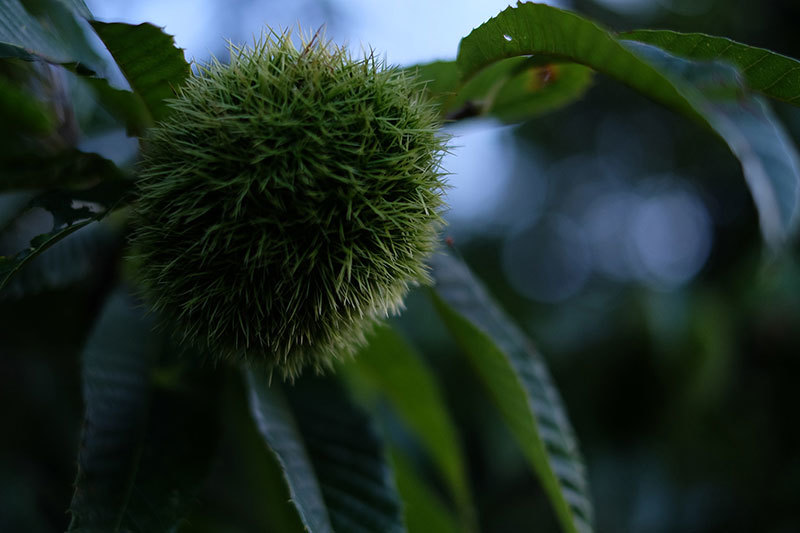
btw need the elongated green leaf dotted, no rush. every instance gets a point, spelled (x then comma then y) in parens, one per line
(61, 19)
(71, 211)
(21, 114)
(330, 454)
(117, 363)
(517, 378)
(769, 159)
(393, 369)
(66, 168)
(148, 58)
(64, 43)
(68, 261)
(123, 105)
(767, 72)
(78, 7)
(23, 37)
(533, 89)
(245, 491)
(278, 427)
(10, 267)
(549, 33)
(424, 510)
(511, 90)
(442, 80)
(747, 126)
(144, 450)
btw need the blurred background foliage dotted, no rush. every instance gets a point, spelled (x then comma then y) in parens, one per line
(619, 235)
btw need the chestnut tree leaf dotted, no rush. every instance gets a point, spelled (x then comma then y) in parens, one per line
(391, 368)
(698, 90)
(149, 60)
(71, 210)
(62, 42)
(769, 158)
(332, 458)
(22, 36)
(424, 509)
(767, 72)
(550, 34)
(518, 381)
(512, 90)
(145, 449)
(75, 258)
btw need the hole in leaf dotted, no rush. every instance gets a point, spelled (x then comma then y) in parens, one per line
(507, 37)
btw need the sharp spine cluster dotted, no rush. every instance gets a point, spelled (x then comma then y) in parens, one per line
(288, 202)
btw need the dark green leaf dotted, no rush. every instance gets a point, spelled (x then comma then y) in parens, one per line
(245, 491)
(767, 72)
(68, 261)
(519, 382)
(23, 37)
(71, 211)
(58, 18)
(21, 114)
(768, 156)
(442, 80)
(117, 363)
(392, 368)
(551, 34)
(535, 89)
(144, 450)
(69, 167)
(123, 105)
(78, 7)
(331, 457)
(148, 58)
(512, 90)
(63, 42)
(424, 510)
(9, 267)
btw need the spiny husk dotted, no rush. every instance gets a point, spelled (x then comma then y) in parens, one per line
(288, 202)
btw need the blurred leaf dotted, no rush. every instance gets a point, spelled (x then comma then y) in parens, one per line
(68, 261)
(424, 510)
(246, 491)
(125, 106)
(71, 211)
(20, 114)
(331, 457)
(442, 80)
(701, 91)
(552, 34)
(23, 37)
(519, 382)
(78, 7)
(58, 18)
(144, 451)
(62, 42)
(393, 369)
(512, 90)
(69, 167)
(767, 72)
(148, 58)
(9, 267)
(745, 122)
(535, 89)
(117, 363)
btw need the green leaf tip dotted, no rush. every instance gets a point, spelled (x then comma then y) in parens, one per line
(288, 202)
